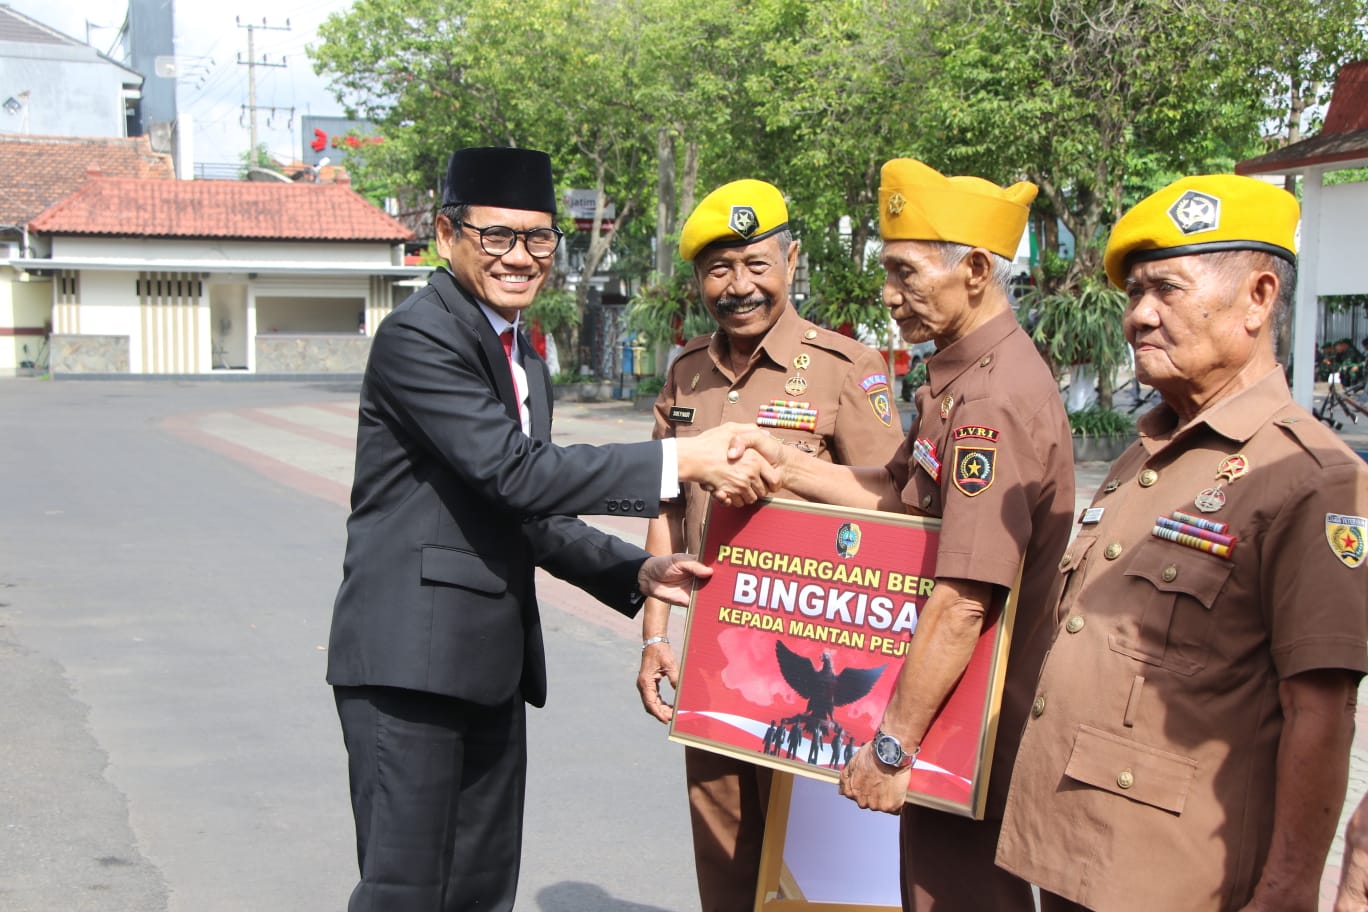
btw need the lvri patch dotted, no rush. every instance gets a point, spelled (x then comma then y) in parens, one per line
(974, 468)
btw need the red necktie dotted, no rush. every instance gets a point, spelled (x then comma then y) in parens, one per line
(506, 337)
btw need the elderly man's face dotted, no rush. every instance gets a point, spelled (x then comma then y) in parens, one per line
(506, 283)
(928, 301)
(746, 288)
(1190, 323)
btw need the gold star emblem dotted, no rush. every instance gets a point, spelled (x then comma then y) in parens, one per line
(896, 203)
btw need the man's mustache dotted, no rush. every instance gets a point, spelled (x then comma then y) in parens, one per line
(728, 305)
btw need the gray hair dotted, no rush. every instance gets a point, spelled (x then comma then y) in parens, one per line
(951, 255)
(785, 239)
(1234, 265)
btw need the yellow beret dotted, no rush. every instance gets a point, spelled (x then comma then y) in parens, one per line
(1204, 214)
(734, 215)
(918, 203)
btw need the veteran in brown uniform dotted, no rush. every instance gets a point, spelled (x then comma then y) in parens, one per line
(814, 390)
(1189, 741)
(990, 454)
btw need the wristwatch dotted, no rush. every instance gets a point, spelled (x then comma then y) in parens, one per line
(889, 751)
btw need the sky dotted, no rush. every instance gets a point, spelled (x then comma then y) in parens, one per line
(213, 86)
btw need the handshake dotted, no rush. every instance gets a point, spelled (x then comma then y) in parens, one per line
(737, 463)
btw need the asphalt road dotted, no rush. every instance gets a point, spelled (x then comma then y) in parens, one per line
(169, 553)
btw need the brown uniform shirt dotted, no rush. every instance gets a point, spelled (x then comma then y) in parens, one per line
(1147, 774)
(846, 382)
(992, 417)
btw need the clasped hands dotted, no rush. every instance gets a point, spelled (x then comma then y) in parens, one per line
(736, 463)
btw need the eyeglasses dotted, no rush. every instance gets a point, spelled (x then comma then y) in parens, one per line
(499, 240)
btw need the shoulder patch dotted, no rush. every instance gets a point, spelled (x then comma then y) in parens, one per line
(975, 468)
(880, 397)
(1346, 536)
(975, 432)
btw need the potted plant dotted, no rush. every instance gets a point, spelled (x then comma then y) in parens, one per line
(1078, 329)
(647, 389)
(1100, 434)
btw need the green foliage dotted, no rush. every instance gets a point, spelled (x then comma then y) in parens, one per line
(1079, 327)
(660, 308)
(650, 386)
(843, 293)
(555, 310)
(655, 102)
(1343, 303)
(261, 159)
(1096, 421)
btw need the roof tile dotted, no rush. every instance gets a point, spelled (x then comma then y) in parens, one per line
(242, 210)
(37, 171)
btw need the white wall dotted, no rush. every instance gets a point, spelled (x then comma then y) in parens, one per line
(72, 91)
(308, 315)
(219, 251)
(1342, 266)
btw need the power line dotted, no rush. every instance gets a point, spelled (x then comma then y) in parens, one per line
(252, 63)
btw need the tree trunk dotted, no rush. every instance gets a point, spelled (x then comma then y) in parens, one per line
(665, 202)
(689, 185)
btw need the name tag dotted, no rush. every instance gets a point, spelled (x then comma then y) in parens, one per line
(1091, 515)
(681, 414)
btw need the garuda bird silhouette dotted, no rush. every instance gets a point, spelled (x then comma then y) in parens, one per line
(823, 688)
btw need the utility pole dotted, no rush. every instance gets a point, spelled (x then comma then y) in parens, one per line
(252, 63)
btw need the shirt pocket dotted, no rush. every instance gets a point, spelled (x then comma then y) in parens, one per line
(1174, 590)
(922, 493)
(1131, 770)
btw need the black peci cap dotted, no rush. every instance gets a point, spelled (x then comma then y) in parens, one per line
(503, 177)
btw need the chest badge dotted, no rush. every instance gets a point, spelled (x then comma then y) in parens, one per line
(1231, 468)
(680, 414)
(946, 405)
(797, 384)
(924, 453)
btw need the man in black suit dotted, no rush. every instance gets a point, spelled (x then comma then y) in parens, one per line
(459, 495)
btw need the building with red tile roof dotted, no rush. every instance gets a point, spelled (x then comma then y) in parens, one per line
(191, 277)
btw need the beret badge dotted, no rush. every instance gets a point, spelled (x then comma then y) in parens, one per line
(743, 221)
(896, 202)
(1194, 212)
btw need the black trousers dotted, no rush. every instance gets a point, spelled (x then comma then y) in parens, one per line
(437, 789)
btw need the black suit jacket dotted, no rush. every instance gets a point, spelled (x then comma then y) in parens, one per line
(453, 507)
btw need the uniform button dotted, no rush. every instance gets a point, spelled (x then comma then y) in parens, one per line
(987, 360)
(810, 334)
(1125, 779)
(1170, 573)
(1074, 624)
(1113, 551)
(639, 505)
(733, 396)
(926, 501)
(1064, 562)
(1148, 478)
(1112, 486)
(1038, 707)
